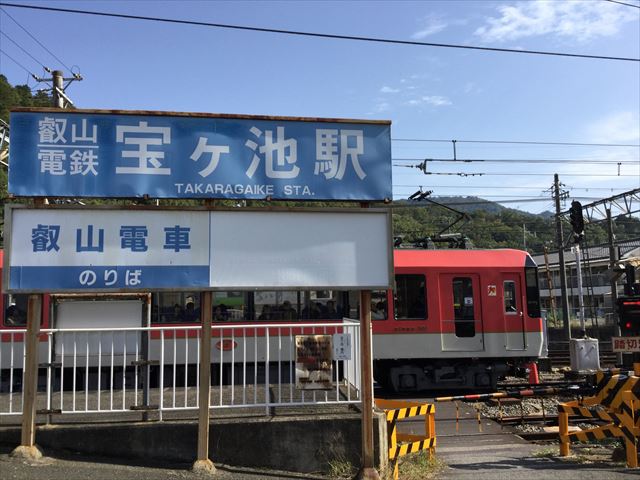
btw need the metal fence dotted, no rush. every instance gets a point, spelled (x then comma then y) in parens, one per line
(102, 370)
(12, 363)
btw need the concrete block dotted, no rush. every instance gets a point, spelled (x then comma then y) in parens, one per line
(304, 444)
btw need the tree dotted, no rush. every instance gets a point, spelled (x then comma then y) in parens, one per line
(18, 96)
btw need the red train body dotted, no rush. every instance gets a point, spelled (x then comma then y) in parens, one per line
(481, 321)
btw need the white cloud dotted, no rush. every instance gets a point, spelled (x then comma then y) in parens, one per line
(381, 107)
(472, 88)
(432, 24)
(620, 127)
(434, 100)
(580, 20)
(387, 89)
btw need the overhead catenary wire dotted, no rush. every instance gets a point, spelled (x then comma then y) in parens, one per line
(518, 142)
(318, 34)
(479, 202)
(623, 3)
(511, 174)
(18, 63)
(519, 160)
(514, 197)
(33, 37)
(544, 187)
(25, 51)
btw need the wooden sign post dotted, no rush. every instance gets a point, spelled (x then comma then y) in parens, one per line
(202, 463)
(27, 448)
(368, 471)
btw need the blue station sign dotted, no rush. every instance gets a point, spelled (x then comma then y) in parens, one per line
(92, 153)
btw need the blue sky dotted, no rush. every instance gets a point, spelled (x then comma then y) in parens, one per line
(428, 93)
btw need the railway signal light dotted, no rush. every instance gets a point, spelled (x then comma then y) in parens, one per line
(577, 222)
(629, 312)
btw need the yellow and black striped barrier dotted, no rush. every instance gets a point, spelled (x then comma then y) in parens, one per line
(401, 444)
(617, 402)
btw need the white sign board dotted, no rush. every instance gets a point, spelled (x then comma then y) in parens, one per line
(285, 249)
(625, 344)
(84, 249)
(342, 346)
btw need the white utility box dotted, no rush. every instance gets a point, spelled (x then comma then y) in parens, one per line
(585, 354)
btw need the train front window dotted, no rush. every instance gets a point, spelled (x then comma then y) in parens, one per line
(410, 295)
(533, 293)
(463, 308)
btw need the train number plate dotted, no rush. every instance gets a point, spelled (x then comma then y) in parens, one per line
(625, 344)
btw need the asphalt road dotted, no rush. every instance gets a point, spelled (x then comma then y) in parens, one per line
(67, 466)
(495, 453)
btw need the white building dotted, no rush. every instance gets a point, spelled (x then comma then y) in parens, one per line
(596, 282)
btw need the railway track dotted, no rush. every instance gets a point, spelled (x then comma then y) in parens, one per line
(509, 385)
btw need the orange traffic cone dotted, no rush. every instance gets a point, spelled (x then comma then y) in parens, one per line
(533, 374)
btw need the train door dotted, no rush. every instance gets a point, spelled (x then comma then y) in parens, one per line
(461, 313)
(512, 312)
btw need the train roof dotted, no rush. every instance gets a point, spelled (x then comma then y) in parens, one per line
(463, 258)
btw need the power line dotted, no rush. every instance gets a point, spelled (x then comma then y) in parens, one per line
(622, 3)
(514, 187)
(18, 63)
(569, 144)
(510, 197)
(29, 33)
(483, 174)
(519, 160)
(319, 35)
(480, 202)
(503, 227)
(32, 57)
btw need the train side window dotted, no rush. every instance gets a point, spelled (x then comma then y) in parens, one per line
(325, 304)
(277, 305)
(379, 305)
(463, 308)
(533, 293)
(15, 314)
(510, 303)
(410, 295)
(230, 306)
(176, 307)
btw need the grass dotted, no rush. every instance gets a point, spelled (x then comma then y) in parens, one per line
(341, 469)
(418, 466)
(585, 453)
(546, 453)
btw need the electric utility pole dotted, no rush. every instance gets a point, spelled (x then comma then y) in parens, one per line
(60, 98)
(560, 244)
(613, 258)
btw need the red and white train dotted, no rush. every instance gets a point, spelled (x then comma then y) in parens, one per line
(456, 318)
